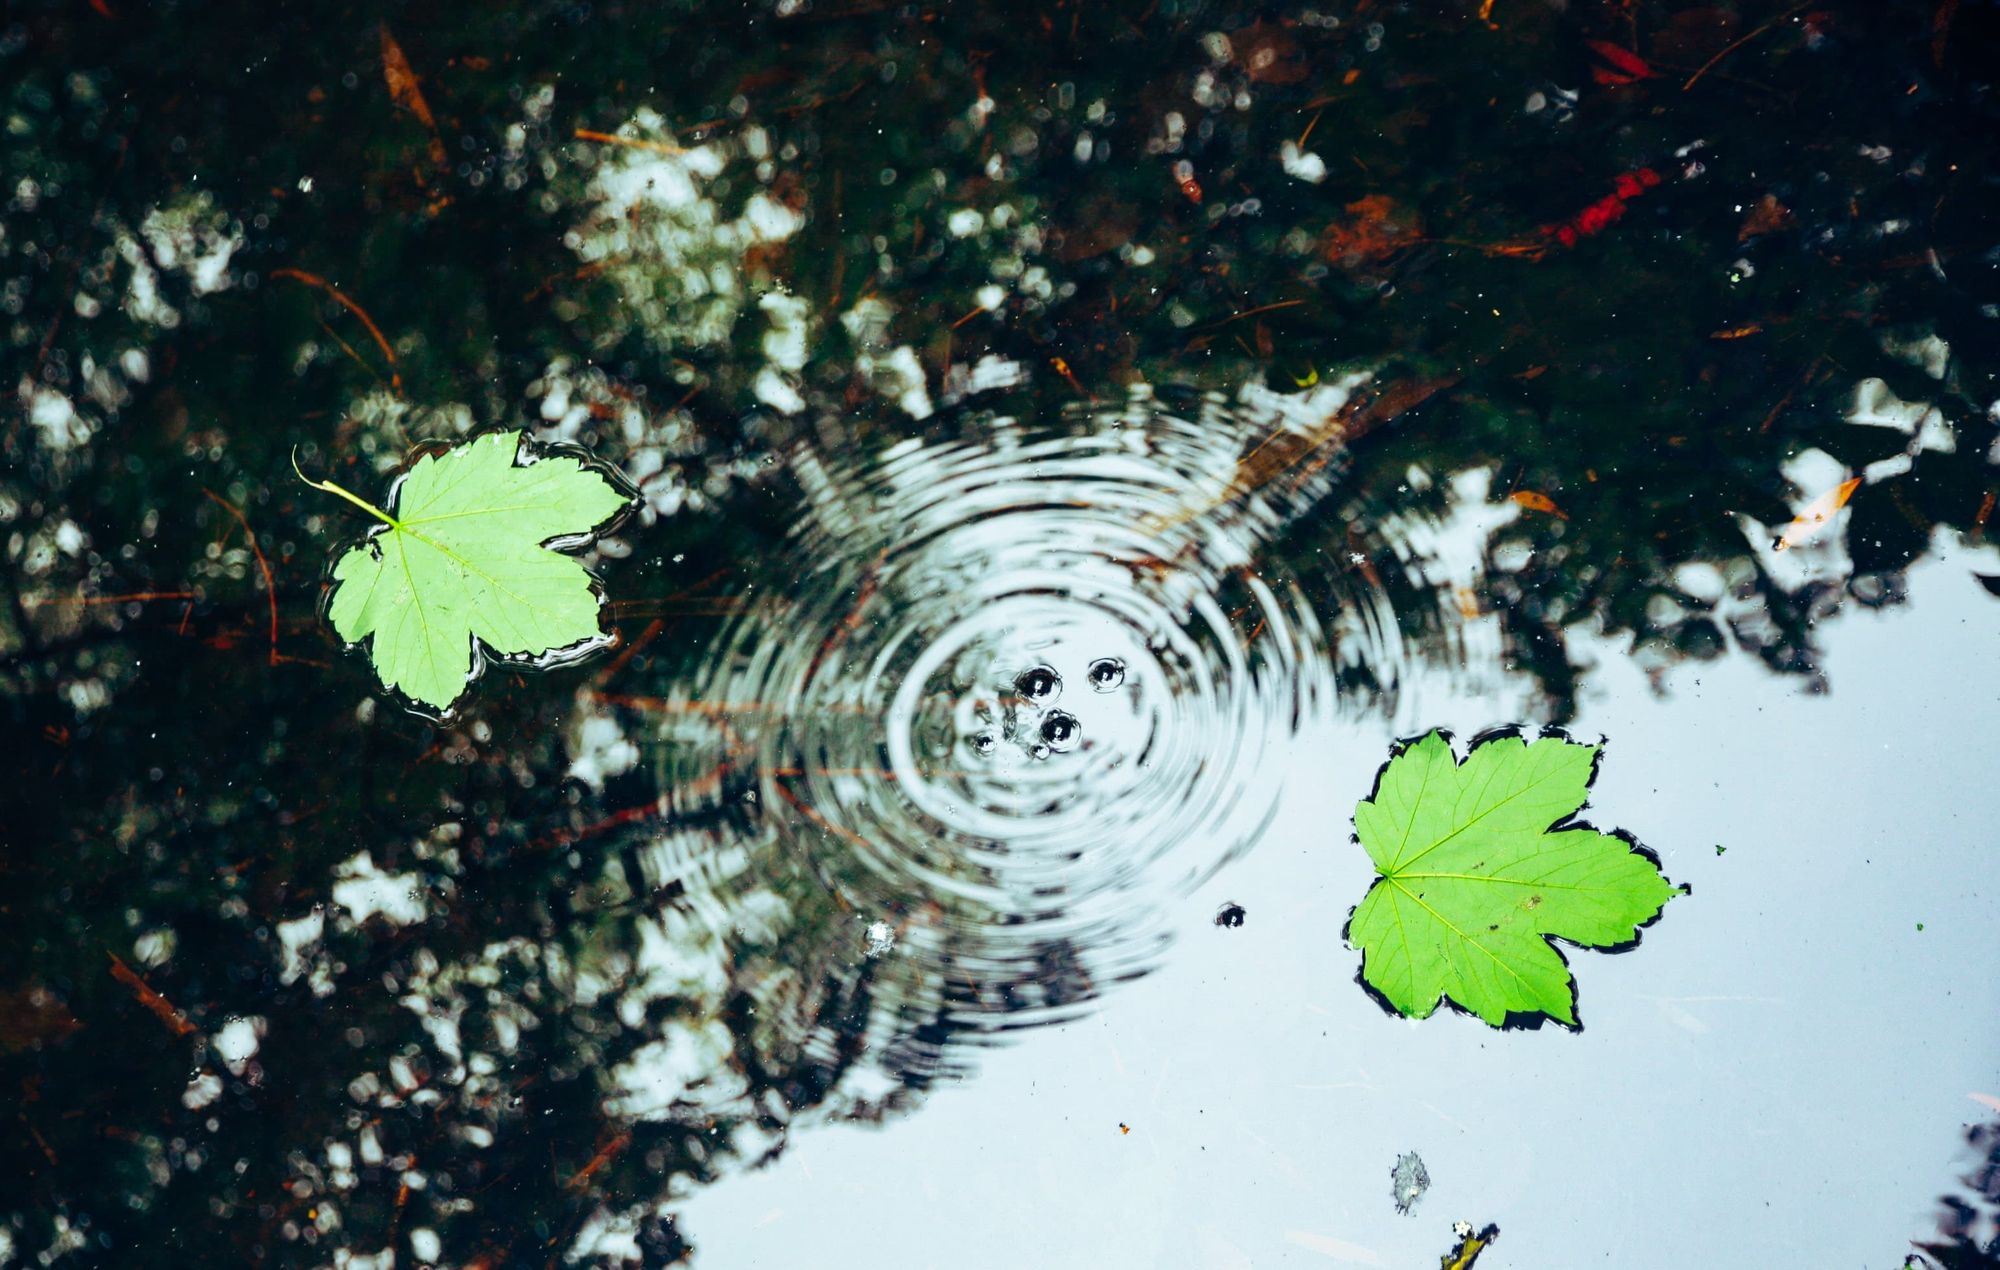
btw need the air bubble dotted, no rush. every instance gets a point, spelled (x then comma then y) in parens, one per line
(1039, 686)
(984, 742)
(1061, 731)
(1106, 673)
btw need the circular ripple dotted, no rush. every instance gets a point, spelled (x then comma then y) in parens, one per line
(1010, 691)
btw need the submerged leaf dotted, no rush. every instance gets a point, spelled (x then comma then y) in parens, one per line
(407, 92)
(463, 560)
(1535, 502)
(1816, 514)
(1473, 882)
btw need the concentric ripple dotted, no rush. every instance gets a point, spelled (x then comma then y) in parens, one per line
(1008, 684)
(1004, 694)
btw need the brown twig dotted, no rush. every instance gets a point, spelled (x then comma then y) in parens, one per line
(625, 655)
(162, 1008)
(381, 340)
(270, 584)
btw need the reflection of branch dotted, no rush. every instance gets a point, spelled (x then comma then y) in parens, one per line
(1284, 450)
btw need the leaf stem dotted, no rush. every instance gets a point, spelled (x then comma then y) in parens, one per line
(332, 488)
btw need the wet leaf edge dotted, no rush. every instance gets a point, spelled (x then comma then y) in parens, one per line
(1516, 1021)
(483, 659)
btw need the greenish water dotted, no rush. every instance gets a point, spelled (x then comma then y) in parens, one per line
(1071, 444)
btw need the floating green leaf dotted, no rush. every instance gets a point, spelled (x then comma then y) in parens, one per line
(1475, 879)
(468, 558)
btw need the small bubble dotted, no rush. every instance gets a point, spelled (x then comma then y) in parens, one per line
(1106, 673)
(1039, 751)
(1061, 731)
(984, 742)
(1039, 686)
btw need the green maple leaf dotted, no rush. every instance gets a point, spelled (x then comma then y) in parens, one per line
(467, 560)
(1476, 878)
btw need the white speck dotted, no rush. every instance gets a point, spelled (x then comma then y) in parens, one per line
(305, 185)
(237, 1041)
(881, 938)
(425, 1244)
(365, 891)
(1301, 165)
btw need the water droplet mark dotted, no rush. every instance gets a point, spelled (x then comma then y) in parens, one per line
(1107, 674)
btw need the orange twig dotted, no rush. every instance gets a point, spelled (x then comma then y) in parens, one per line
(843, 834)
(381, 340)
(605, 1155)
(612, 139)
(162, 1008)
(625, 655)
(270, 585)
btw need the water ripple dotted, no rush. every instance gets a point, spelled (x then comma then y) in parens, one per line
(1005, 693)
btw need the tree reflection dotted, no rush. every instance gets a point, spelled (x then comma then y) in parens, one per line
(500, 991)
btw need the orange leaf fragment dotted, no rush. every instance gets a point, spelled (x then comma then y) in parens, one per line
(1376, 228)
(406, 92)
(32, 1018)
(1535, 502)
(1766, 216)
(1816, 514)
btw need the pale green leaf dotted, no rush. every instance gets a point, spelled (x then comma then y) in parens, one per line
(1476, 879)
(465, 559)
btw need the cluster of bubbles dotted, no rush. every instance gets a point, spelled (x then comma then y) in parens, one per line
(1030, 717)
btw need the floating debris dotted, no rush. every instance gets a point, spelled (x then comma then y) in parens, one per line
(1409, 1179)
(1231, 914)
(1469, 1246)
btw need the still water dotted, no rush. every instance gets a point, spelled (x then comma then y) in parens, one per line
(1067, 449)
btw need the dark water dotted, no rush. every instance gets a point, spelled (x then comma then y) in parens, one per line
(1073, 443)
